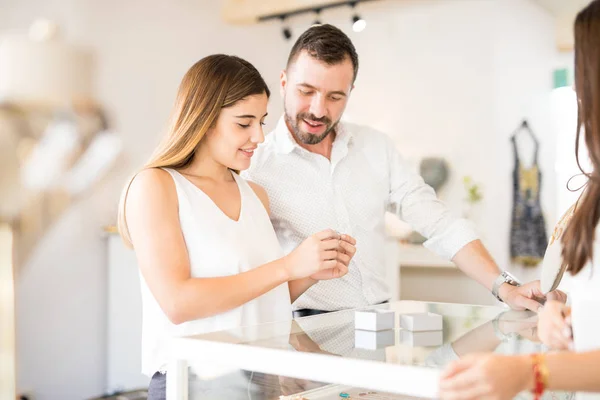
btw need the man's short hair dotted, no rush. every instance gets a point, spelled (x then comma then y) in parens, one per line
(325, 43)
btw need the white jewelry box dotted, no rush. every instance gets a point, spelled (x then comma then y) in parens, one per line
(421, 339)
(373, 340)
(421, 322)
(374, 320)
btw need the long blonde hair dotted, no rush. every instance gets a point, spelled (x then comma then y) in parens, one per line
(213, 83)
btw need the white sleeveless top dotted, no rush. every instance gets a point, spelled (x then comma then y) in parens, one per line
(585, 313)
(217, 246)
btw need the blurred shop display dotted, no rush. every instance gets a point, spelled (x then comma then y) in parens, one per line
(55, 144)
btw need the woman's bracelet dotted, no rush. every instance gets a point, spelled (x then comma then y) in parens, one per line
(540, 375)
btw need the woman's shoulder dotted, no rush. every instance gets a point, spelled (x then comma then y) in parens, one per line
(261, 193)
(152, 178)
(152, 183)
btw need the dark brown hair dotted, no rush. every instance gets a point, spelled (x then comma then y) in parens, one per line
(325, 43)
(578, 238)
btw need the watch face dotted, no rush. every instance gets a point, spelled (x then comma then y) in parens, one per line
(511, 280)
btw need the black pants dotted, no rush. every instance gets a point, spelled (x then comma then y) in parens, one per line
(307, 312)
(239, 385)
(157, 390)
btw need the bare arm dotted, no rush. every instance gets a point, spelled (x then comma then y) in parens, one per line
(477, 340)
(475, 261)
(484, 339)
(574, 371)
(153, 220)
(497, 376)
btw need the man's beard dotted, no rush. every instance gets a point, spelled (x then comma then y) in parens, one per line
(305, 137)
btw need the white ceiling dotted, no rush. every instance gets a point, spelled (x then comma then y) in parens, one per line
(248, 11)
(563, 7)
(564, 12)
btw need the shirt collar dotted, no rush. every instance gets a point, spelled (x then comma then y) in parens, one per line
(286, 144)
(283, 138)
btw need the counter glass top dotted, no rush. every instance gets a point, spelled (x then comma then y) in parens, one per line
(327, 348)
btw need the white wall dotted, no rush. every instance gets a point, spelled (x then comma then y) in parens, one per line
(564, 102)
(524, 60)
(449, 78)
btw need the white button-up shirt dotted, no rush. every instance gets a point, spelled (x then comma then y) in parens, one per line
(350, 193)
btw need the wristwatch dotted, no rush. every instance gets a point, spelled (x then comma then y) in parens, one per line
(504, 277)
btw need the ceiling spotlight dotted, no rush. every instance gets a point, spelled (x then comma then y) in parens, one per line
(317, 20)
(287, 33)
(358, 24)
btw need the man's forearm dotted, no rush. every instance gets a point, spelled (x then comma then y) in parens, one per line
(477, 263)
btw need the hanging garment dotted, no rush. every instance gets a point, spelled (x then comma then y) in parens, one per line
(528, 239)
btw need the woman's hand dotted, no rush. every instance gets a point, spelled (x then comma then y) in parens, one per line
(346, 250)
(486, 376)
(523, 323)
(554, 325)
(324, 255)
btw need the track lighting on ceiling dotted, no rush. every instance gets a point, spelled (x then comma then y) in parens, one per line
(317, 20)
(286, 31)
(358, 23)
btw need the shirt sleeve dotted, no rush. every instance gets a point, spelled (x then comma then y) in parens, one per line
(416, 203)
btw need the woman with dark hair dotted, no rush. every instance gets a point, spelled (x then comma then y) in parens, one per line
(492, 376)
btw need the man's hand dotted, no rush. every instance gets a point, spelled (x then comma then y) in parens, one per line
(528, 296)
